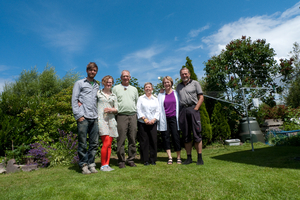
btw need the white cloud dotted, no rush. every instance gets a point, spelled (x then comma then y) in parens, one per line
(195, 33)
(147, 64)
(190, 48)
(281, 31)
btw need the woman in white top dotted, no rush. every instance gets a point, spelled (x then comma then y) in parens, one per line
(168, 123)
(107, 108)
(148, 114)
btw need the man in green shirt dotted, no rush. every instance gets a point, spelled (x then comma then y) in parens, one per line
(127, 96)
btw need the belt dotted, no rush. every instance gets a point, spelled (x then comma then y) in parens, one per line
(188, 105)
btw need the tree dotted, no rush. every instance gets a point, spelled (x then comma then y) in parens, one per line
(220, 127)
(32, 105)
(189, 65)
(243, 63)
(205, 126)
(293, 96)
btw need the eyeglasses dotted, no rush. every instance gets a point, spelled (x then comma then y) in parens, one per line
(125, 88)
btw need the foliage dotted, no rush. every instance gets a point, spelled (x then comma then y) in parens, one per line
(64, 152)
(293, 97)
(47, 152)
(266, 112)
(205, 125)
(220, 127)
(280, 139)
(18, 153)
(36, 103)
(292, 119)
(189, 65)
(233, 119)
(244, 63)
(52, 114)
(39, 152)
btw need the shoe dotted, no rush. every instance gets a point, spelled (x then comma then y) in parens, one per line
(188, 161)
(85, 170)
(122, 165)
(111, 169)
(170, 161)
(146, 164)
(131, 164)
(92, 168)
(153, 163)
(105, 169)
(200, 162)
(179, 162)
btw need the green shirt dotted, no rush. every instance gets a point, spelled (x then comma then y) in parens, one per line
(127, 99)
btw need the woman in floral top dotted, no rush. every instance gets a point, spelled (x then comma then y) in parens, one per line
(107, 108)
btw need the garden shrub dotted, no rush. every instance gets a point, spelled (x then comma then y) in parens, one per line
(205, 125)
(63, 152)
(220, 127)
(18, 154)
(266, 112)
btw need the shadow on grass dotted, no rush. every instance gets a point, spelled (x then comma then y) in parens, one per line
(275, 157)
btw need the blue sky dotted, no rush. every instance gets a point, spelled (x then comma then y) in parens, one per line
(148, 38)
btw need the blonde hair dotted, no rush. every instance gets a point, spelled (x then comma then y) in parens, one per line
(105, 79)
(169, 79)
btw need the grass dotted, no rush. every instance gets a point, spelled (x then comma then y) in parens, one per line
(228, 173)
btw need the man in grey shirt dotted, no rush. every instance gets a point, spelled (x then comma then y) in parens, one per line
(191, 98)
(84, 105)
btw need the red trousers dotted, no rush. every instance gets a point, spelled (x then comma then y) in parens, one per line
(106, 149)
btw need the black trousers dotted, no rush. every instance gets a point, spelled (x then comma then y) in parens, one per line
(148, 141)
(171, 129)
(189, 121)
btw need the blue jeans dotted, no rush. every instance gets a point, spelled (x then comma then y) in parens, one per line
(87, 126)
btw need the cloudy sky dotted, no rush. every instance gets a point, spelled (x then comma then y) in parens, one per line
(148, 38)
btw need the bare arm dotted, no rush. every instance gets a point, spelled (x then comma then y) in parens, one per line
(200, 101)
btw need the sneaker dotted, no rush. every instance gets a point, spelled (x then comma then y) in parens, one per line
(85, 170)
(110, 169)
(105, 169)
(93, 170)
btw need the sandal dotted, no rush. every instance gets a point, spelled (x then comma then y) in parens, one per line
(170, 161)
(179, 161)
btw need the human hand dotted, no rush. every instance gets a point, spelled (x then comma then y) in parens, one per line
(79, 103)
(80, 119)
(107, 110)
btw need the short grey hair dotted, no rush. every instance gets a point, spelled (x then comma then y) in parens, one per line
(184, 68)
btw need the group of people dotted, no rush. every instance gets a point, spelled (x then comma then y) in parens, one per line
(120, 113)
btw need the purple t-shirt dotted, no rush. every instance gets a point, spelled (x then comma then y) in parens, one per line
(170, 105)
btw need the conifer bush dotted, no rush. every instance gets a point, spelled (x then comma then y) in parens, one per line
(205, 125)
(220, 127)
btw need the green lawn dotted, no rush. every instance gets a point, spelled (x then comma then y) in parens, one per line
(228, 173)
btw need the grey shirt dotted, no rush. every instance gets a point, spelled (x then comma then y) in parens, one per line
(188, 94)
(86, 93)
